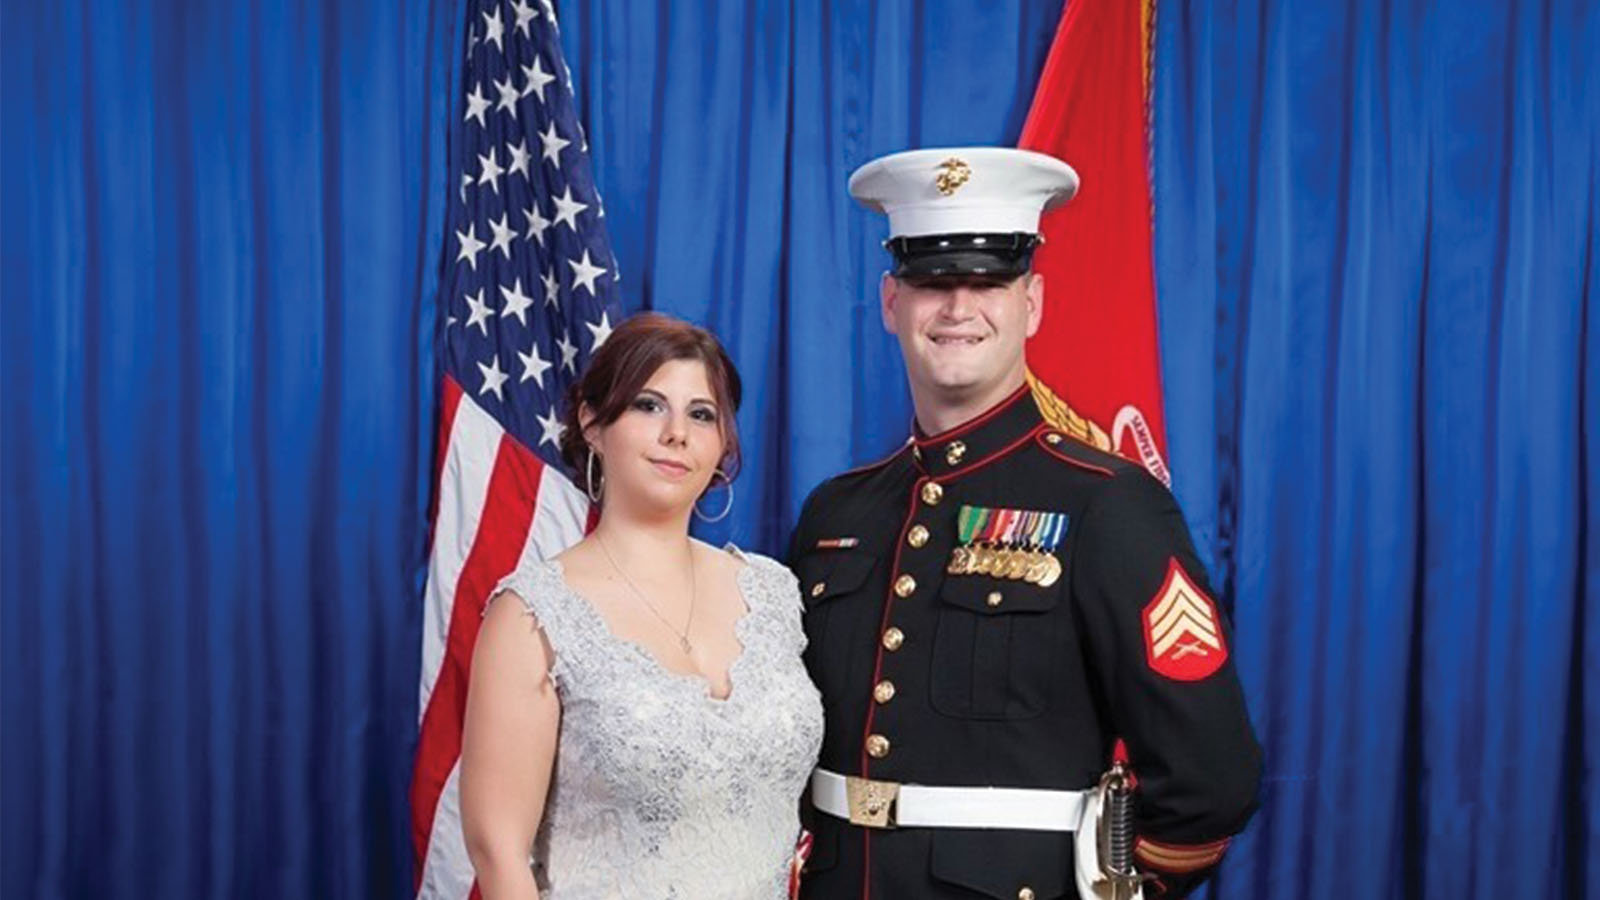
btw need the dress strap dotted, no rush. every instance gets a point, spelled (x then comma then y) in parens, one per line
(545, 595)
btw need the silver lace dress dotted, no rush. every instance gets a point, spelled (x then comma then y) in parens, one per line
(661, 790)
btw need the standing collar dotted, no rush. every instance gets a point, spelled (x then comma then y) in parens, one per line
(997, 429)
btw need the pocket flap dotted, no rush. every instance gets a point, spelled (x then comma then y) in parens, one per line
(832, 573)
(990, 596)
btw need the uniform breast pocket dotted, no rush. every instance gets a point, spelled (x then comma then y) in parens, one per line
(834, 585)
(995, 648)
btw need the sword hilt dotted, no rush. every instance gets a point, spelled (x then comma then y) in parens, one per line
(1117, 832)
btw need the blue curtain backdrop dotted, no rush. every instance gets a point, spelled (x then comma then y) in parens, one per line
(1376, 253)
(1376, 246)
(220, 225)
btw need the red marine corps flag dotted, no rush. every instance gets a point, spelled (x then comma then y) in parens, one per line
(1097, 347)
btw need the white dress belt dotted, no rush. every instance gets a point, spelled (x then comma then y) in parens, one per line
(923, 806)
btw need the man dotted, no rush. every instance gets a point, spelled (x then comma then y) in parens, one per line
(996, 606)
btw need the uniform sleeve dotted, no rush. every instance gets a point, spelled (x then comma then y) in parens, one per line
(1161, 653)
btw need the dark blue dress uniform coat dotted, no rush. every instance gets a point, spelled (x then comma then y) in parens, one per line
(973, 680)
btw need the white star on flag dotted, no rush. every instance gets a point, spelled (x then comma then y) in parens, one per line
(536, 224)
(569, 353)
(551, 289)
(536, 77)
(470, 245)
(466, 182)
(567, 209)
(600, 330)
(491, 170)
(525, 14)
(519, 158)
(477, 105)
(494, 29)
(550, 428)
(533, 365)
(509, 95)
(480, 312)
(493, 379)
(584, 273)
(554, 143)
(517, 302)
(504, 234)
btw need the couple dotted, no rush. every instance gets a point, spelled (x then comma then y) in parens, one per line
(975, 630)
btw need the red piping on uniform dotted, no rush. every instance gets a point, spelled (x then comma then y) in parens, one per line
(967, 426)
(875, 465)
(877, 672)
(994, 457)
(1075, 462)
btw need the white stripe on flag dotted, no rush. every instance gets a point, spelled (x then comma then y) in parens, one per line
(560, 517)
(463, 489)
(447, 872)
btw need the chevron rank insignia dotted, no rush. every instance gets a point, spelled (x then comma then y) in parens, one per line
(1182, 631)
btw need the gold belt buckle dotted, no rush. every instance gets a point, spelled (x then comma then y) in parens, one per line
(872, 803)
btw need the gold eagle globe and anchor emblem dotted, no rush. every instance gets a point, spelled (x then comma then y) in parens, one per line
(953, 173)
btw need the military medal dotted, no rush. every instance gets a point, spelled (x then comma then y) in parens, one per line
(1048, 538)
(1016, 544)
(983, 561)
(1016, 563)
(1052, 570)
(1036, 568)
(964, 558)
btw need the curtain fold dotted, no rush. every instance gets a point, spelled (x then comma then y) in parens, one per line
(221, 229)
(1375, 238)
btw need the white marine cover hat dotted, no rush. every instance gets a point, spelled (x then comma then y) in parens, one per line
(960, 211)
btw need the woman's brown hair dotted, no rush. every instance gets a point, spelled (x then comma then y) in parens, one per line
(622, 367)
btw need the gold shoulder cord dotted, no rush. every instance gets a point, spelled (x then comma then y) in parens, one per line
(1063, 419)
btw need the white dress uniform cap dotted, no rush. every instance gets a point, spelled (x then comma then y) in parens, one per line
(963, 190)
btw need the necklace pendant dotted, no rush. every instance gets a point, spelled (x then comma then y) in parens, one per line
(683, 641)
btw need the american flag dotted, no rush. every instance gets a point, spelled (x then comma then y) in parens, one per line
(528, 293)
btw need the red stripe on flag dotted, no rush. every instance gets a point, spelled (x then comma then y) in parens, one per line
(502, 532)
(449, 402)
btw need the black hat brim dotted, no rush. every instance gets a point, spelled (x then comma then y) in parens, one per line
(1004, 256)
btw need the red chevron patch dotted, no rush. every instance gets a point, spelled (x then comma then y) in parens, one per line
(1182, 631)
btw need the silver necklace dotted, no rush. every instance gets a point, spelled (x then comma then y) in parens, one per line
(683, 636)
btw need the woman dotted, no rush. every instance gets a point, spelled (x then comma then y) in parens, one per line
(638, 713)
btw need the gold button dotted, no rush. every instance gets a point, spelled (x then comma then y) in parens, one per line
(932, 493)
(1025, 894)
(818, 588)
(883, 691)
(904, 585)
(954, 452)
(892, 639)
(993, 599)
(877, 746)
(1052, 438)
(917, 536)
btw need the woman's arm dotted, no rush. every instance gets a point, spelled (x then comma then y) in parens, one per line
(508, 747)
